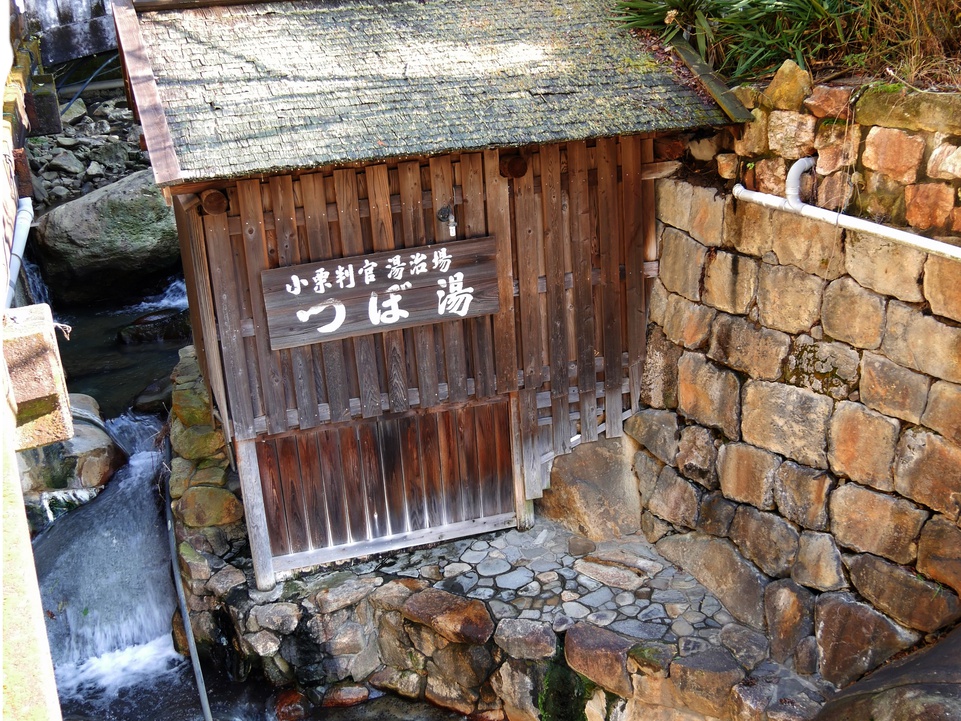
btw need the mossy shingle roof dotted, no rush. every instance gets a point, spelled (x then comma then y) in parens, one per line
(288, 85)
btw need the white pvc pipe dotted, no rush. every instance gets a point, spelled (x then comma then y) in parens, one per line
(21, 229)
(792, 204)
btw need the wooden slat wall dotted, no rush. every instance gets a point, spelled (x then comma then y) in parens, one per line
(565, 348)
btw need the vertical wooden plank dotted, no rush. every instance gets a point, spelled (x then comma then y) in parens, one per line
(255, 247)
(530, 446)
(442, 194)
(315, 497)
(649, 234)
(273, 497)
(320, 247)
(412, 219)
(608, 215)
(392, 461)
(431, 469)
(352, 240)
(416, 500)
(372, 470)
(469, 462)
(524, 507)
(258, 536)
(582, 260)
(382, 232)
(499, 225)
(486, 435)
(226, 291)
(450, 471)
(556, 296)
(292, 487)
(331, 464)
(634, 262)
(503, 466)
(355, 497)
(288, 253)
(525, 210)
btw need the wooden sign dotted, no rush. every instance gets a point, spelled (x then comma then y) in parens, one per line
(347, 297)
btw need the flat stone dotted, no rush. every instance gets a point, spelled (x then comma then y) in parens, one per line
(903, 595)
(342, 590)
(927, 471)
(740, 344)
(697, 456)
(942, 412)
(861, 445)
(704, 681)
(730, 282)
(885, 266)
(829, 101)
(747, 474)
(895, 153)
(801, 429)
(853, 638)
(939, 552)
(609, 575)
(575, 609)
(655, 430)
(893, 389)
(687, 323)
(493, 567)
(809, 245)
(638, 629)
(600, 655)
(788, 299)
(674, 499)
(454, 618)
(681, 263)
(708, 208)
(673, 200)
(830, 369)
(602, 618)
(345, 695)
(766, 539)
(818, 563)
(876, 523)
(709, 395)
(515, 579)
(748, 646)
(789, 610)
(716, 563)
(923, 343)
(801, 494)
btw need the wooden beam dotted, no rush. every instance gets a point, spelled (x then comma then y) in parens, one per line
(143, 87)
(258, 535)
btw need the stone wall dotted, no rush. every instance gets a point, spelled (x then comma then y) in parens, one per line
(882, 152)
(802, 451)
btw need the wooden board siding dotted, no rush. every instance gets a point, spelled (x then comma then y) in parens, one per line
(417, 433)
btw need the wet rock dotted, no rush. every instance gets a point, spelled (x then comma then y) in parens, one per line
(409, 684)
(344, 695)
(516, 683)
(66, 162)
(524, 639)
(467, 665)
(291, 705)
(195, 442)
(165, 325)
(456, 619)
(450, 695)
(207, 506)
(704, 681)
(600, 655)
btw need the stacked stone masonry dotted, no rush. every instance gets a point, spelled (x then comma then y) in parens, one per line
(882, 152)
(804, 386)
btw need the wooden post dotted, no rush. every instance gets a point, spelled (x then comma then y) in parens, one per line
(258, 535)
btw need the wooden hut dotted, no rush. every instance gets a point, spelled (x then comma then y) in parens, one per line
(414, 234)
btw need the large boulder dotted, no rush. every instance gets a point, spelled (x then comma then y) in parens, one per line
(110, 243)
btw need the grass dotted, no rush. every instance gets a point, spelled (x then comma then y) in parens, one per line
(914, 42)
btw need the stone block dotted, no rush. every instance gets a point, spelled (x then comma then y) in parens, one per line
(658, 303)
(955, 225)
(703, 681)
(708, 207)
(818, 563)
(687, 324)
(593, 491)
(853, 314)
(457, 619)
(673, 201)
(716, 514)
(515, 683)
(788, 88)
(752, 229)
(942, 286)
(716, 563)
(682, 263)
(791, 134)
(770, 175)
(861, 445)
(788, 299)
(647, 469)
(408, 684)
(787, 420)
(656, 431)
(801, 494)
(600, 655)
(935, 112)
(923, 343)
(195, 442)
(202, 506)
(789, 610)
(829, 101)
(466, 665)
(928, 205)
(895, 153)
(674, 499)
(885, 266)
(904, 596)
(853, 638)
(281, 617)
(748, 646)
(753, 140)
(945, 162)
(880, 197)
(766, 539)
(837, 145)
(730, 282)
(727, 164)
(928, 470)
(810, 245)
(876, 523)
(653, 528)
(709, 395)
(697, 456)
(835, 191)
(747, 474)
(450, 695)
(892, 389)
(943, 411)
(659, 380)
(830, 369)
(740, 344)
(939, 552)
